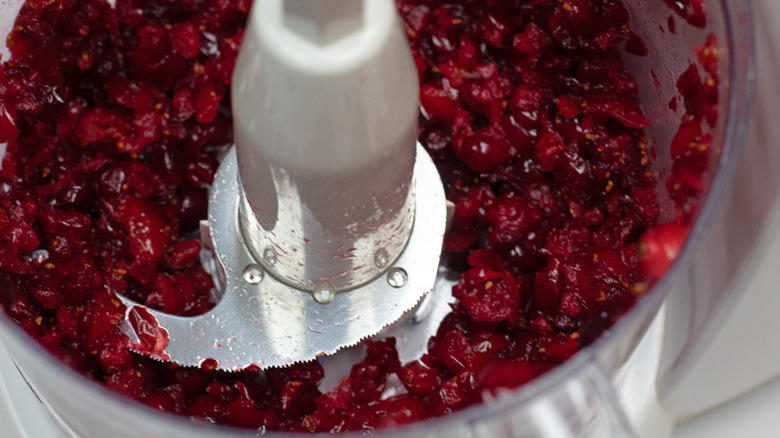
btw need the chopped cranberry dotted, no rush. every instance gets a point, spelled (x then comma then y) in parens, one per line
(185, 40)
(507, 375)
(207, 104)
(438, 103)
(419, 378)
(8, 130)
(659, 247)
(489, 296)
(511, 219)
(401, 409)
(482, 151)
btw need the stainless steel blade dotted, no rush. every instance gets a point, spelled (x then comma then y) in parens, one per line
(263, 321)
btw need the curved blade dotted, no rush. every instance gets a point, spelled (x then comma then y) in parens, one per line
(270, 324)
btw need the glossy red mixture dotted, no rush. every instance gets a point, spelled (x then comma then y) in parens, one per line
(114, 118)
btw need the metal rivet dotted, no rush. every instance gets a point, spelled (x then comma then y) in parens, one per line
(269, 256)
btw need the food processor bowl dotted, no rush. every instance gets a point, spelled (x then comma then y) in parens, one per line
(587, 396)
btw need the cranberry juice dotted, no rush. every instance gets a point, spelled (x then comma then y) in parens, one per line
(114, 117)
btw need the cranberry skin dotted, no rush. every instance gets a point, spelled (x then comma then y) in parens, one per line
(79, 194)
(368, 382)
(502, 376)
(46, 289)
(207, 407)
(184, 255)
(568, 107)
(452, 395)
(659, 247)
(8, 129)
(308, 372)
(548, 149)
(482, 152)
(339, 398)
(686, 137)
(26, 313)
(160, 401)
(131, 383)
(567, 241)
(646, 203)
(384, 354)
(165, 296)
(114, 355)
(296, 400)
(243, 412)
(436, 140)
(145, 226)
(564, 349)
(185, 40)
(100, 125)
(489, 296)
(457, 353)
(622, 108)
(437, 103)
(68, 322)
(194, 206)
(548, 286)
(596, 274)
(207, 104)
(183, 105)
(520, 137)
(401, 409)
(532, 40)
(419, 378)
(511, 219)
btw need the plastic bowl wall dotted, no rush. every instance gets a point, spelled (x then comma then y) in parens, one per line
(577, 398)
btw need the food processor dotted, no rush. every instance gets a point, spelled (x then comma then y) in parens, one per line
(654, 365)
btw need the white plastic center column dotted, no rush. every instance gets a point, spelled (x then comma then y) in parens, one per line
(325, 101)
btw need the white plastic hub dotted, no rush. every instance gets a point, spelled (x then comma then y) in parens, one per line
(325, 99)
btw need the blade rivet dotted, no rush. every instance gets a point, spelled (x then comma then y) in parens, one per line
(397, 277)
(253, 274)
(269, 256)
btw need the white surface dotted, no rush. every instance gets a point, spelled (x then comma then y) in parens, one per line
(751, 416)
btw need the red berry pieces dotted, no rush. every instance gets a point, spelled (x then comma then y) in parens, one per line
(659, 247)
(7, 123)
(419, 378)
(437, 103)
(146, 230)
(207, 104)
(482, 151)
(185, 40)
(502, 376)
(511, 219)
(489, 296)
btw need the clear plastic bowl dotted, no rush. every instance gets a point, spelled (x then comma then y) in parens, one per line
(578, 398)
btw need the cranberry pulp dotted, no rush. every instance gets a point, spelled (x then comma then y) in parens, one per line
(114, 116)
